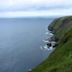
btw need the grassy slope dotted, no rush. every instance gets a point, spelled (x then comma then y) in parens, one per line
(61, 59)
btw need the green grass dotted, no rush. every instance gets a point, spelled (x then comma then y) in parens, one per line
(61, 59)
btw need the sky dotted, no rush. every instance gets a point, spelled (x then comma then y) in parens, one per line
(28, 8)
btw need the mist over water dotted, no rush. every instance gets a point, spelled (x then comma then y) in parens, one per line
(20, 41)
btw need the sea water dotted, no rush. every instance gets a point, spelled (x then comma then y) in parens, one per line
(20, 42)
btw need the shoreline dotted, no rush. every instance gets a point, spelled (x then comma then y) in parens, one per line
(60, 60)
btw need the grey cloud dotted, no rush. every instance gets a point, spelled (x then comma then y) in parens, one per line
(34, 7)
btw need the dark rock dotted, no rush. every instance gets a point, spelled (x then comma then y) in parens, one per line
(49, 44)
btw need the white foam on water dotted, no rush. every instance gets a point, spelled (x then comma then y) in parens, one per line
(45, 41)
(46, 33)
(50, 34)
(45, 47)
(53, 43)
(51, 48)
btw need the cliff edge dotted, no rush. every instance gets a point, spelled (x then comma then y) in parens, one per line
(60, 60)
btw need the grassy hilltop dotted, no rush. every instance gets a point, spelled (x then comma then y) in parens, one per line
(61, 59)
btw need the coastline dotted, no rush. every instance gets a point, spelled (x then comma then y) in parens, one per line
(61, 57)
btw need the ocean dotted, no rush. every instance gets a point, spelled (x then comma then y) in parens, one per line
(20, 42)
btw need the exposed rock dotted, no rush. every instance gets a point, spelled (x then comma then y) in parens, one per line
(49, 44)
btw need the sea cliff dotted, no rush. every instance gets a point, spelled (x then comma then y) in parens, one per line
(60, 60)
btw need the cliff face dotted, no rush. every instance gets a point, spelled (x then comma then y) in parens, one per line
(61, 59)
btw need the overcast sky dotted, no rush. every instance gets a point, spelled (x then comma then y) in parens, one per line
(17, 8)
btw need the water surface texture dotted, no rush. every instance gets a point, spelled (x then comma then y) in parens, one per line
(20, 41)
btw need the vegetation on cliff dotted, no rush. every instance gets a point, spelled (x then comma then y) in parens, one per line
(60, 60)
